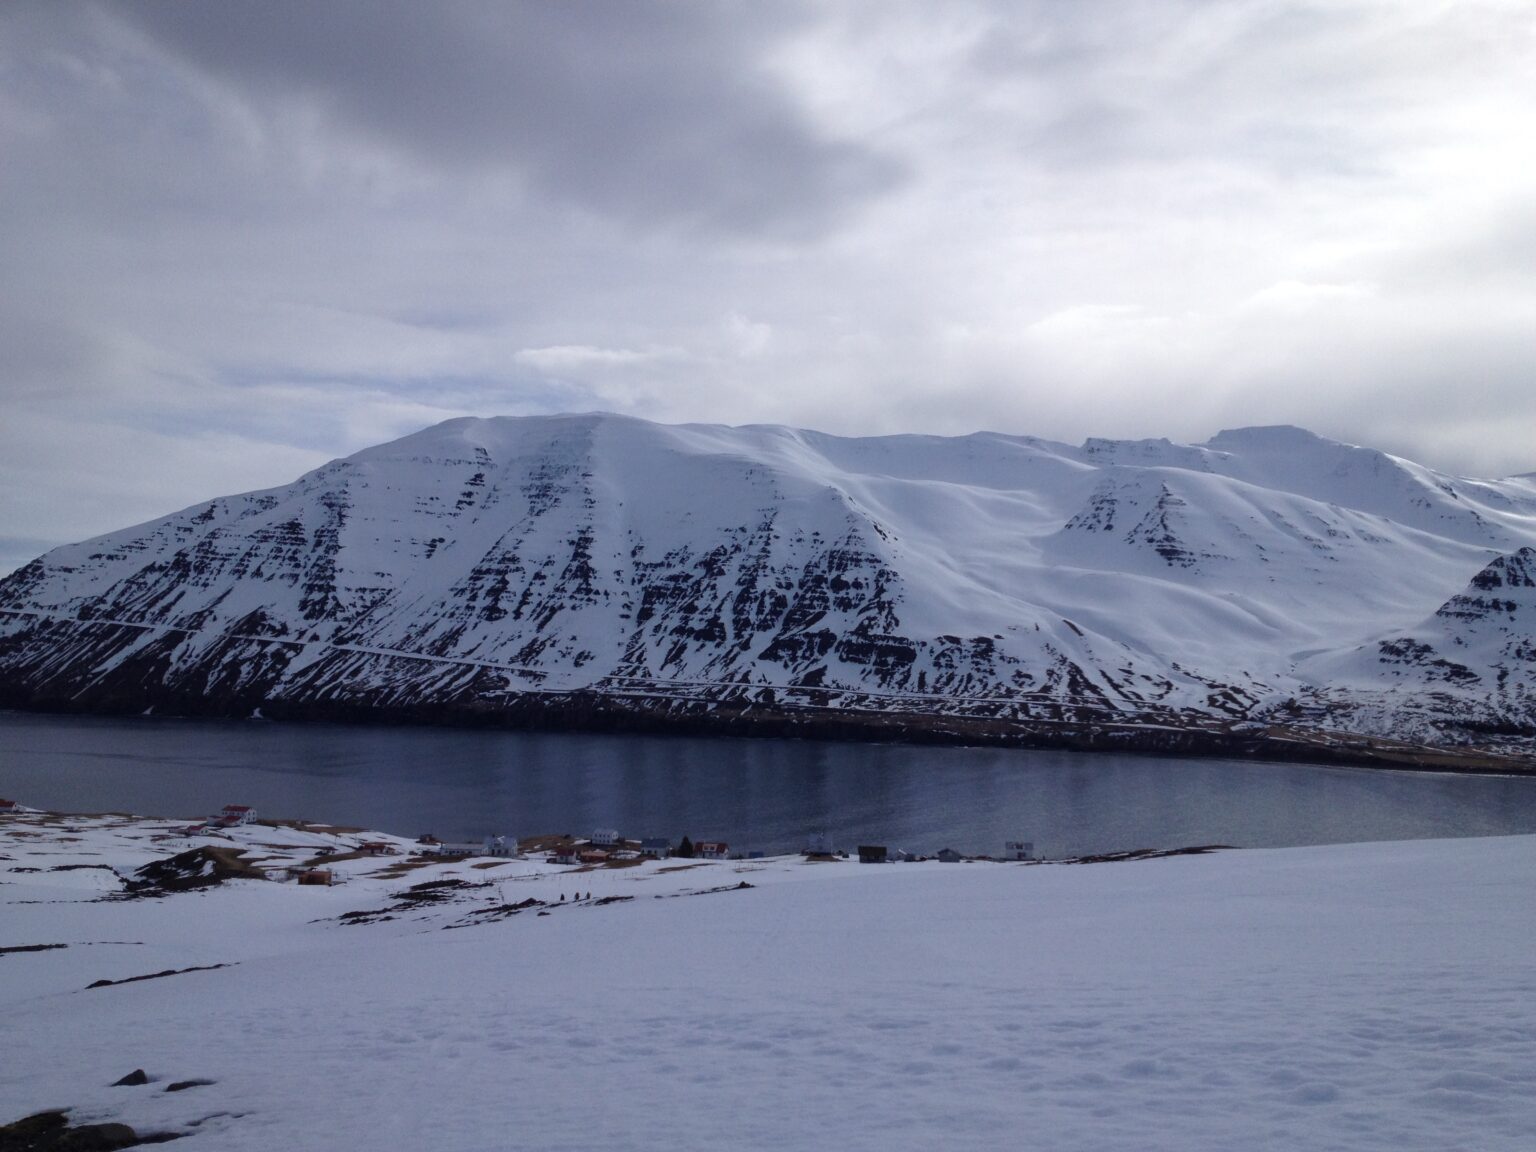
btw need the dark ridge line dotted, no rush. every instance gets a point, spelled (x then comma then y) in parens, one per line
(155, 975)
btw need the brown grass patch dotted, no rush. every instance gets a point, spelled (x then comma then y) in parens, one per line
(401, 868)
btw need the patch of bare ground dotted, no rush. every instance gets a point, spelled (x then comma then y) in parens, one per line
(155, 975)
(326, 859)
(52, 1132)
(329, 829)
(530, 844)
(1146, 854)
(234, 860)
(398, 868)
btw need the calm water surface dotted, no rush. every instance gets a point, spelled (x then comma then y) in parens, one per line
(764, 794)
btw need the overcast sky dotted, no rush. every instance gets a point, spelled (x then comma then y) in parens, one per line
(237, 240)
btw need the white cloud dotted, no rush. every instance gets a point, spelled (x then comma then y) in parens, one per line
(221, 258)
(578, 358)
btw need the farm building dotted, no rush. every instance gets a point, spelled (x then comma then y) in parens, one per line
(712, 850)
(9, 807)
(605, 837)
(872, 854)
(949, 856)
(655, 848)
(234, 814)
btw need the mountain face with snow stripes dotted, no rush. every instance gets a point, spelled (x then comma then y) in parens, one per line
(598, 569)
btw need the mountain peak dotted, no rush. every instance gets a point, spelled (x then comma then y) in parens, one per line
(1268, 437)
(486, 562)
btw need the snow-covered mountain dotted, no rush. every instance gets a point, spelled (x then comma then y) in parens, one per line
(597, 569)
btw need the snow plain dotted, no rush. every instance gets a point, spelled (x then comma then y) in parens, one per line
(1344, 997)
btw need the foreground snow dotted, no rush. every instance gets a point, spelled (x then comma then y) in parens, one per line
(1360, 996)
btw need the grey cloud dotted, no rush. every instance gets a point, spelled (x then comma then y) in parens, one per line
(655, 114)
(1283, 89)
(236, 239)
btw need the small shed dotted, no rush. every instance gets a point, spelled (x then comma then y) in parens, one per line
(712, 850)
(592, 856)
(378, 848)
(655, 848)
(872, 854)
(949, 856)
(605, 837)
(317, 876)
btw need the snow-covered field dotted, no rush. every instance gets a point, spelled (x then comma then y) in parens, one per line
(1360, 996)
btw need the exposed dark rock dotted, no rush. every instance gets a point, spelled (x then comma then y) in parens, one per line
(132, 1080)
(188, 871)
(155, 975)
(29, 947)
(52, 1132)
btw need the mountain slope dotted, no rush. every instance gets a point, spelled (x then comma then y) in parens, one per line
(572, 567)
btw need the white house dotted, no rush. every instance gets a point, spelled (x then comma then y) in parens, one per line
(712, 850)
(499, 846)
(1019, 850)
(459, 849)
(605, 837)
(655, 848)
(237, 814)
(9, 807)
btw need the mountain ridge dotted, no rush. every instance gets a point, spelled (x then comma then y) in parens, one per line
(771, 578)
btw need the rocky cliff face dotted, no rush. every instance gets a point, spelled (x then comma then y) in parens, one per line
(587, 569)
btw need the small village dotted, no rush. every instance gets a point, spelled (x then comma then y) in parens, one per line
(602, 848)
